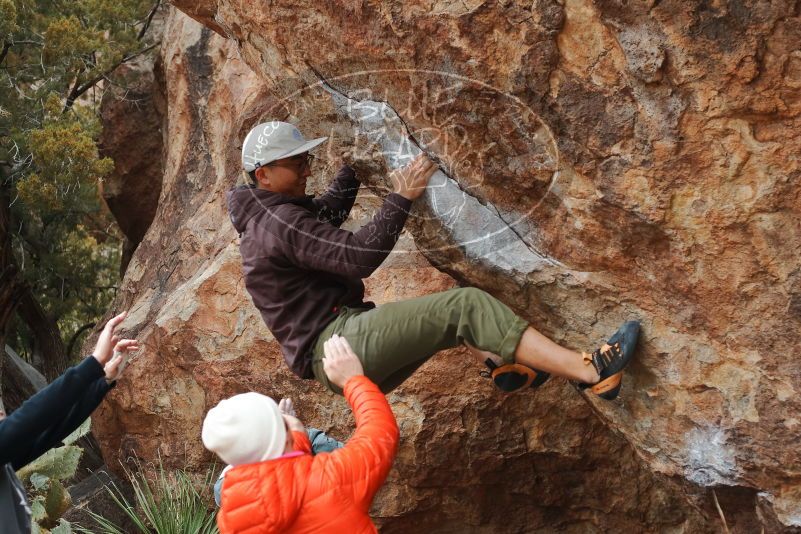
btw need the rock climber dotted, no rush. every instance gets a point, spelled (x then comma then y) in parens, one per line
(275, 484)
(304, 274)
(51, 415)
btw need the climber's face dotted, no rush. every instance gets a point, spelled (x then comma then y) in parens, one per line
(286, 176)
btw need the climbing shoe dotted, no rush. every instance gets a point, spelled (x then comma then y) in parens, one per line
(611, 358)
(514, 377)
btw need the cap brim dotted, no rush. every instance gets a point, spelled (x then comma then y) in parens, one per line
(305, 147)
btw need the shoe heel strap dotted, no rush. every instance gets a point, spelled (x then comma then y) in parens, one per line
(594, 359)
(608, 383)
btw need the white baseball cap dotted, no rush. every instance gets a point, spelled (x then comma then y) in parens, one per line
(274, 140)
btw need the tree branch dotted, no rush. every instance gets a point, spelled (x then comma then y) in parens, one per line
(79, 90)
(10, 286)
(35, 43)
(76, 84)
(75, 336)
(6, 46)
(149, 20)
(46, 334)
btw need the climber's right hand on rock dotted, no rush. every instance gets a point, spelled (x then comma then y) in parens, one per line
(287, 407)
(119, 360)
(340, 362)
(411, 180)
(107, 340)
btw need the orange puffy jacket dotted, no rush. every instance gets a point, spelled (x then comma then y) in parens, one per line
(330, 492)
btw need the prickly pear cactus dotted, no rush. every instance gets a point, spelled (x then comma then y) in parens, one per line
(44, 479)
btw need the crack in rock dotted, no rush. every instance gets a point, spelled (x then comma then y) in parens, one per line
(478, 230)
(708, 455)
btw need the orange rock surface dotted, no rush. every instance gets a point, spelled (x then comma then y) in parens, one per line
(600, 161)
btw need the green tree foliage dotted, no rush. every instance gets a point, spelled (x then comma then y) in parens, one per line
(55, 59)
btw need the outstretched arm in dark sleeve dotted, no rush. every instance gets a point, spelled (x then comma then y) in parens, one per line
(53, 436)
(49, 416)
(21, 429)
(334, 206)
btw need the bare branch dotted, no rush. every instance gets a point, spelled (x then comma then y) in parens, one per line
(76, 84)
(149, 20)
(6, 46)
(78, 91)
(75, 336)
(720, 512)
(35, 43)
(48, 347)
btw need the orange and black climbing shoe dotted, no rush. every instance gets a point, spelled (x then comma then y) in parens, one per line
(514, 377)
(610, 360)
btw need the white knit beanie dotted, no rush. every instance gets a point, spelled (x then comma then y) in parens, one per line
(245, 429)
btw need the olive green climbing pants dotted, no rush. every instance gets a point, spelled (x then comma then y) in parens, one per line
(394, 339)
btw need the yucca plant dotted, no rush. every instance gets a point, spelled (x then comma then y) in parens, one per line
(168, 504)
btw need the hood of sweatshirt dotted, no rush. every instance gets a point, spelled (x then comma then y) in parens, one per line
(247, 201)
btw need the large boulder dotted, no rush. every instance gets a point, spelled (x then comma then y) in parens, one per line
(600, 161)
(21, 380)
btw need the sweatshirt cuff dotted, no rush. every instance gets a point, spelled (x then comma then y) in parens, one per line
(396, 199)
(90, 368)
(346, 172)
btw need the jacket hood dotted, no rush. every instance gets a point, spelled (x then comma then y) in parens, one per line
(247, 201)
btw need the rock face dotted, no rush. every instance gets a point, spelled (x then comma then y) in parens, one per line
(600, 161)
(19, 376)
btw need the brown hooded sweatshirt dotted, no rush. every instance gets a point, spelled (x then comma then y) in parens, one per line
(300, 267)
